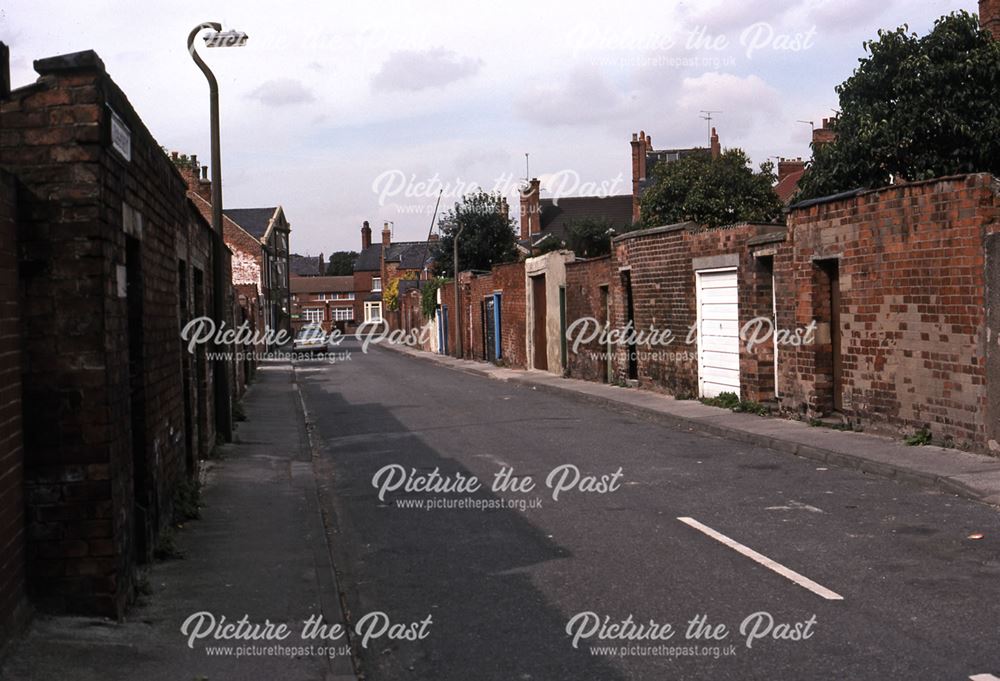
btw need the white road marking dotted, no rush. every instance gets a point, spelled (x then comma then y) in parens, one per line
(794, 506)
(984, 677)
(804, 582)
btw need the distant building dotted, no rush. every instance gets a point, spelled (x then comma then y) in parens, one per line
(379, 264)
(271, 229)
(306, 265)
(328, 301)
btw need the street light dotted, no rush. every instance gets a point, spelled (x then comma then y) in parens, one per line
(458, 314)
(223, 410)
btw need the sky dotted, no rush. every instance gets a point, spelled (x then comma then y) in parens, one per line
(343, 111)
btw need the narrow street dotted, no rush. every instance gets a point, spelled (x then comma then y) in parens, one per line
(502, 584)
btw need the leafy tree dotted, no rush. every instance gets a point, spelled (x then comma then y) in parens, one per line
(428, 296)
(390, 291)
(487, 234)
(711, 192)
(341, 263)
(590, 237)
(915, 108)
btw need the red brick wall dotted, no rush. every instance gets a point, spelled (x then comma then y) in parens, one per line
(911, 262)
(508, 280)
(13, 608)
(584, 279)
(87, 528)
(661, 263)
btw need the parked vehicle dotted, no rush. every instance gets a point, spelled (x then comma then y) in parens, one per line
(309, 339)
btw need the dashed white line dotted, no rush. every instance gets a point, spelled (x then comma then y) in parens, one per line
(984, 677)
(787, 573)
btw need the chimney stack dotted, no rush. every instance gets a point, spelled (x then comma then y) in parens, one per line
(531, 209)
(641, 146)
(195, 176)
(789, 166)
(386, 237)
(989, 16)
(716, 147)
(366, 236)
(824, 135)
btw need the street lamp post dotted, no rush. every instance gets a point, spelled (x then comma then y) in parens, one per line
(223, 407)
(458, 314)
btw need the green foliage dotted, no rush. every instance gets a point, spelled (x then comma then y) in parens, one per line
(590, 237)
(711, 192)
(187, 501)
(166, 547)
(730, 400)
(919, 439)
(487, 236)
(341, 263)
(390, 291)
(428, 296)
(725, 400)
(915, 108)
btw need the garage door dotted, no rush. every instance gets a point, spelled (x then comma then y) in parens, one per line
(718, 333)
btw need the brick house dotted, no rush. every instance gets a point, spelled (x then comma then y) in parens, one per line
(544, 221)
(306, 265)
(113, 258)
(269, 228)
(645, 159)
(259, 241)
(328, 301)
(378, 264)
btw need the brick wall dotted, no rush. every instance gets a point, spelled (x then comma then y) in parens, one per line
(911, 262)
(584, 299)
(104, 408)
(13, 607)
(661, 263)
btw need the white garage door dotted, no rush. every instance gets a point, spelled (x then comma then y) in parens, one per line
(718, 333)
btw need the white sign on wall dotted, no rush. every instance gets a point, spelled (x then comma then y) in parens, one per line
(121, 136)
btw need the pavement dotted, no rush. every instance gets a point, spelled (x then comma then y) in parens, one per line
(259, 549)
(864, 577)
(966, 474)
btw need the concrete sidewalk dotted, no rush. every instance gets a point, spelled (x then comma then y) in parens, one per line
(260, 549)
(972, 476)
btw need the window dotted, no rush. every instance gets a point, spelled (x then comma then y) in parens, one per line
(373, 312)
(313, 314)
(376, 283)
(345, 296)
(342, 314)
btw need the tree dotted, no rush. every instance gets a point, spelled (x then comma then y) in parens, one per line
(915, 108)
(341, 263)
(590, 237)
(487, 234)
(711, 192)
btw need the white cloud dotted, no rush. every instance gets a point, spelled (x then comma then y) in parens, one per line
(412, 70)
(584, 96)
(282, 92)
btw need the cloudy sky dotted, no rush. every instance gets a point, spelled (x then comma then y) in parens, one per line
(344, 112)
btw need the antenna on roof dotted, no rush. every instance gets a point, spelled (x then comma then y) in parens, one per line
(809, 123)
(527, 168)
(708, 117)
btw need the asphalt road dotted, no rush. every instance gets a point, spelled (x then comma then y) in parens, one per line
(919, 599)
